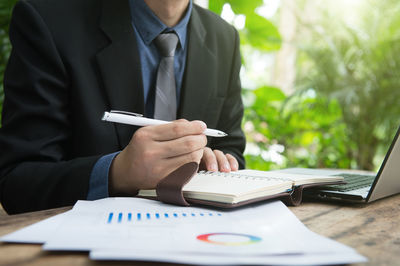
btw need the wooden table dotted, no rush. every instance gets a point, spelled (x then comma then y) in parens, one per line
(374, 230)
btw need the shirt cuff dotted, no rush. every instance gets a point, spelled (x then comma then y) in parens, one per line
(98, 183)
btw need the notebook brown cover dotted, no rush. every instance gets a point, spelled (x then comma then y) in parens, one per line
(169, 190)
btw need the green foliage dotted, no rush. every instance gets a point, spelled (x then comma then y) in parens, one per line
(358, 68)
(309, 131)
(5, 47)
(344, 111)
(258, 32)
(239, 7)
(261, 34)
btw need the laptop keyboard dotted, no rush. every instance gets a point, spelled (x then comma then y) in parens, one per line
(354, 181)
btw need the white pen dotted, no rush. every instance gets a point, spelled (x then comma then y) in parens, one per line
(138, 120)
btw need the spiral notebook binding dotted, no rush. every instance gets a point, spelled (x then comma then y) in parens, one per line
(240, 176)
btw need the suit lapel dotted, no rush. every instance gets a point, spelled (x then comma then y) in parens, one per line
(120, 68)
(200, 78)
(119, 64)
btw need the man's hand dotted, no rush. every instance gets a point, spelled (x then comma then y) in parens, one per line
(154, 152)
(216, 160)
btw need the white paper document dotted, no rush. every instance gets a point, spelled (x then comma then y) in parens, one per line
(217, 259)
(36, 233)
(139, 229)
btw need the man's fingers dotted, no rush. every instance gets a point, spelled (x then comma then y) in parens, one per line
(209, 160)
(182, 145)
(172, 164)
(216, 160)
(223, 163)
(233, 162)
(176, 129)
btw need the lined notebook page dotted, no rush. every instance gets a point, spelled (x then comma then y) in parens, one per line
(243, 185)
(298, 179)
(233, 187)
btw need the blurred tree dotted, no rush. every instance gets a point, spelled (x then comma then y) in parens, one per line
(285, 131)
(344, 109)
(5, 47)
(297, 131)
(357, 67)
(258, 31)
(258, 34)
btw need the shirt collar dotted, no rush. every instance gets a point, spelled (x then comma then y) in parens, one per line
(150, 26)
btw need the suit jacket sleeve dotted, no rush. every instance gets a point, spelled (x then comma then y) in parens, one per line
(36, 171)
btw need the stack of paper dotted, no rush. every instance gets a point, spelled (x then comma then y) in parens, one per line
(145, 230)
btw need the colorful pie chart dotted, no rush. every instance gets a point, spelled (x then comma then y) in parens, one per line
(229, 239)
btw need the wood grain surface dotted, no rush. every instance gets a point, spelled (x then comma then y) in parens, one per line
(373, 230)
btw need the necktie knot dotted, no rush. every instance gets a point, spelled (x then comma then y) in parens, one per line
(166, 44)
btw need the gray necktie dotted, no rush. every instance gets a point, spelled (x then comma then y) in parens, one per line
(165, 100)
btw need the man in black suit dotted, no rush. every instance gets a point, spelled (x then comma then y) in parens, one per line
(74, 59)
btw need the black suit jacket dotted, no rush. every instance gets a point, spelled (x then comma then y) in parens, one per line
(71, 61)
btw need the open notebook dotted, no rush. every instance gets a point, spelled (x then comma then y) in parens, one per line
(242, 187)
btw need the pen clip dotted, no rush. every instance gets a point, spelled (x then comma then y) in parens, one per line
(125, 113)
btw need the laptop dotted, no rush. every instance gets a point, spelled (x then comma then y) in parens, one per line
(362, 186)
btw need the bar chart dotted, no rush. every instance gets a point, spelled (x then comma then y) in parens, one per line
(119, 217)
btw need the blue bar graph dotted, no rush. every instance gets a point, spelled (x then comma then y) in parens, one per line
(135, 217)
(110, 216)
